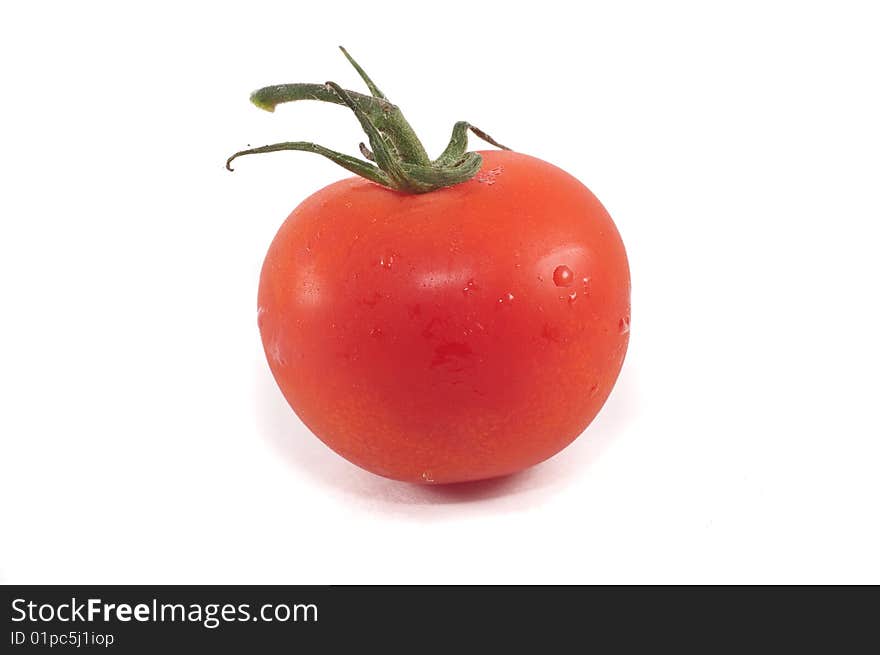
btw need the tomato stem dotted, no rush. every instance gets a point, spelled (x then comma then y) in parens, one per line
(396, 157)
(374, 90)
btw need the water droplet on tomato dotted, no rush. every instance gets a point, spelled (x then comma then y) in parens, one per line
(387, 261)
(623, 325)
(470, 286)
(562, 276)
(376, 332)
(572, 297)
(506, 298)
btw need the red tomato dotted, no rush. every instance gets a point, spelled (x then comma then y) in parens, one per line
(456, 335)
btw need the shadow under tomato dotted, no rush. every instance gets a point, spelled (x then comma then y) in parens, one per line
(463, 492)
(307, 455)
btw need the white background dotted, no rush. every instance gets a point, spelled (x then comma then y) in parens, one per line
(142, 439)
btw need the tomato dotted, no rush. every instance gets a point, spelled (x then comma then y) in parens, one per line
(461, 334)
(441, 320)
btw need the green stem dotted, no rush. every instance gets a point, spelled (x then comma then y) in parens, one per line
(352, 164)
(374, 90)
(385, 158)
(458, 143)
(401, 161)
(387, 117)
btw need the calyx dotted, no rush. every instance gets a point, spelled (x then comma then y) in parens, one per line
(396, 157)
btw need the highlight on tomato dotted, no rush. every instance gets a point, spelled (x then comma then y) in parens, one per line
(441, 320)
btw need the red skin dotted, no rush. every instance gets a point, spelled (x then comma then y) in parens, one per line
(423, 337)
